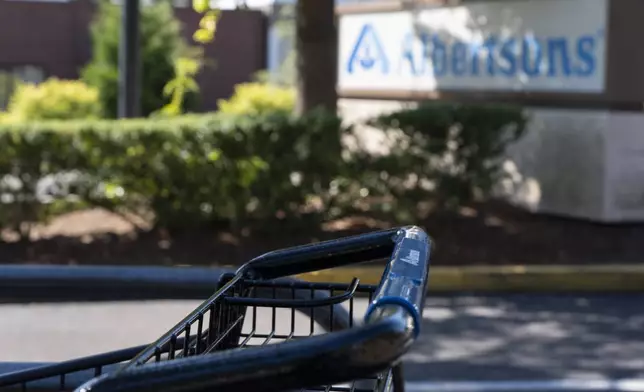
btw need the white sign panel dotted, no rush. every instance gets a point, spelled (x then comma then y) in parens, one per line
(520, 45)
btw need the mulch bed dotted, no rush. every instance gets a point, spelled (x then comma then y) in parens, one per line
(493, 233)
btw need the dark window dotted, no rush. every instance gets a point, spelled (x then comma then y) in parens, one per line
(9, 76)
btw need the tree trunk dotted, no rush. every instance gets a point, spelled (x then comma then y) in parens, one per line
(317, 51)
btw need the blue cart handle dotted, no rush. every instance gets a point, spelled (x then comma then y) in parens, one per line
(404, 281)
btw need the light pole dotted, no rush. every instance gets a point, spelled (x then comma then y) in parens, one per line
(129, 100)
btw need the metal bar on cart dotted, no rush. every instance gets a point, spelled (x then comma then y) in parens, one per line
(50, 384)
(47, 375)
(51, 283)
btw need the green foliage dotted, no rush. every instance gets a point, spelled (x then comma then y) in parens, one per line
(185, 171)
(54, 99)
(194, 170)
(447, 153)
(183, 83)
(259, 99)
(208, 23)
(161, 43)
(5, 118)
(26, 157)
(302, 157)
(188, 65)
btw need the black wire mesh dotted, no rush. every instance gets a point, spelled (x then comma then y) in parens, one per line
(242, 318)
(249, 313)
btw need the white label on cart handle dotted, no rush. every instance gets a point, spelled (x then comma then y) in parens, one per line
(412, 258)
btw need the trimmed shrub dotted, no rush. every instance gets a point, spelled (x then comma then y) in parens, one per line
(259, 99)
(195, 170)
(446, 153)
(5, 117)
(187, 171)
(54, 99)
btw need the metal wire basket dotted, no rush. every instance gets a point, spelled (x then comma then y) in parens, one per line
(261, 331)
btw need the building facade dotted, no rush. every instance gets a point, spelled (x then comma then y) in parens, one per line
(40, 39)
(571, 63)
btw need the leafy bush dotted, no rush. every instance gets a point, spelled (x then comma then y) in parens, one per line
(5, 117)
(193, 170)
(302, 155)
(186, 171)
(160, 42)
(447, 153)
(258, 99)
(26, 158)
(54, 99)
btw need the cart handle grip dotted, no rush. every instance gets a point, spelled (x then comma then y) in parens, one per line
(404, 281)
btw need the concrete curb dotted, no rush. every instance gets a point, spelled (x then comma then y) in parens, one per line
(612, 278)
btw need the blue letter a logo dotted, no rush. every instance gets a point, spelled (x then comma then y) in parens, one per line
(367, 52)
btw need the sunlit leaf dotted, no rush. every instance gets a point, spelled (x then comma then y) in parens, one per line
(209, 20)
(203, 36)
(214, 155)
(200, 6)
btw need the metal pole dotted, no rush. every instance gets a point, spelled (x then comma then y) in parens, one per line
(129, 61)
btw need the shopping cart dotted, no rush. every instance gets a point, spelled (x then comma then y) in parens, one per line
(223, 345)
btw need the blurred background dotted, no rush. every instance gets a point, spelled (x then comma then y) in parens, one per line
(196, 133)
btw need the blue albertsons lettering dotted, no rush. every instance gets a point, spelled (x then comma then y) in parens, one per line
(534, 57)
(509, 57)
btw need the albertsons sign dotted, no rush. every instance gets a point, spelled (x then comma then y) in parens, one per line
(546, 45)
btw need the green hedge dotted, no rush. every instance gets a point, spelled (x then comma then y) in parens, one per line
(186, 171)
(199, 169)
(54, 99)
(442, 155)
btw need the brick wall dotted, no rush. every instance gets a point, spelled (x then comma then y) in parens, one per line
(55, 37)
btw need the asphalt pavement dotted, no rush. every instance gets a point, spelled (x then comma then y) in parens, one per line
(518, 339)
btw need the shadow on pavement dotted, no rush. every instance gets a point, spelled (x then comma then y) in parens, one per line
(530, 337)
